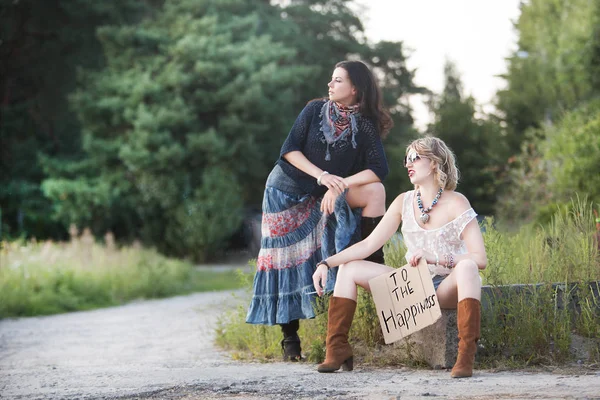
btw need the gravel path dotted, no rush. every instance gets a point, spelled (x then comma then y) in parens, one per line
(163, 349)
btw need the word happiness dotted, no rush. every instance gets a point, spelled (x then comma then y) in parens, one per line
(405, 317)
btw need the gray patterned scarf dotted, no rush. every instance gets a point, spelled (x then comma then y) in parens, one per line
(337, 122)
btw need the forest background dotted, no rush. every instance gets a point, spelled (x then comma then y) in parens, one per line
(159, 120)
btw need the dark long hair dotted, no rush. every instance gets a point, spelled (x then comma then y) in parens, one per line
(368, 94)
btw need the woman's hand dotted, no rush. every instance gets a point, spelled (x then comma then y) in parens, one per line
(320, 279)
(328, 202)
(334, 183)
(421, 253)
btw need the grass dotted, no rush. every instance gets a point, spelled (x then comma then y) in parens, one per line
(533, 326)
(537, 324)
(564, 251)
(49, 278)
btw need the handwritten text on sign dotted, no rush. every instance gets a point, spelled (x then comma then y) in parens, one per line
(405, 300)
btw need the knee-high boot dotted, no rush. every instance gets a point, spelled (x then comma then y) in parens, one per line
(367, 224)
(469, 325)
(338, 351)
(291, 341)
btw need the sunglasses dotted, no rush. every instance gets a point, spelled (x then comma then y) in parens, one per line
(411, 157)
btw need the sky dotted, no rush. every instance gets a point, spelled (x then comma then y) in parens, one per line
(476, 34)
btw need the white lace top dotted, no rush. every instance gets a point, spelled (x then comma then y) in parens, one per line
(443, 240)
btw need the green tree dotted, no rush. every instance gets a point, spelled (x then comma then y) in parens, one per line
(476, 142)
(574, 154)
(557, 163)
(175, 128)
(552, 81)
(526, 188)
(182, 126)
(41, 45)
(44, 43)
(555, 67)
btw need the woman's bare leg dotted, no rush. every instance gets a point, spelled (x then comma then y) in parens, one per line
(370, 197)
(462, 283)
(462, 290)
(356, 273)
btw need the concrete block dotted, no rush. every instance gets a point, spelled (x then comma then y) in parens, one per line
(436, 345)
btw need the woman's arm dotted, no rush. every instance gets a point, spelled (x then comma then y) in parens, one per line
(475, 245)
(374, 160)
(299, 160)
(291, 150)
(361, 178)
(471, 235)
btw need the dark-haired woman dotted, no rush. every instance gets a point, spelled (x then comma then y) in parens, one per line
(324, 194)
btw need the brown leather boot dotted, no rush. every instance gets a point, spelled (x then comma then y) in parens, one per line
(367, 224)
(469, 323)
(338, 352)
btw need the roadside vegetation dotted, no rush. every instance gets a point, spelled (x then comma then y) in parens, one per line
(40, 278)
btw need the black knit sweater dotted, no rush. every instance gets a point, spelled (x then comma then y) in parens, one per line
(306, 136)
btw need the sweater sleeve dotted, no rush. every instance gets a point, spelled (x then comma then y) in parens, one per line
(375, 159)
(297, 137)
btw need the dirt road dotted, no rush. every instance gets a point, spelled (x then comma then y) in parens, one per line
(163, 349)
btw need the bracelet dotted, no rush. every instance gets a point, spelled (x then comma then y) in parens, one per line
(449, 260)
(323, 262)
(320, 176)
(437, 260)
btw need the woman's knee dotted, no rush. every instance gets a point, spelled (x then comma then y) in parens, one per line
(351, 271)
(365, 195)
(373, 196)
(467, 269)
(375, 191)
(348, 268)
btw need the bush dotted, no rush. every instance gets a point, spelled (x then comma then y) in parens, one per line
(48, 278)
(556, 163)
(203, 222)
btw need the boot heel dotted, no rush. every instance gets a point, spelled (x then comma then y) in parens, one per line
(348, 365)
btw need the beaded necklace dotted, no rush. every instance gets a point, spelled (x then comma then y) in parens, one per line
(425, 212)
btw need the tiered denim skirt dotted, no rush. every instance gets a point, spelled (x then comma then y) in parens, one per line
(295, 237)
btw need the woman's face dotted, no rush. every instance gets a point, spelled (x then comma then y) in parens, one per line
(419, 168)
(341, 89)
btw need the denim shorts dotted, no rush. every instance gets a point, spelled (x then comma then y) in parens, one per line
(437, 279)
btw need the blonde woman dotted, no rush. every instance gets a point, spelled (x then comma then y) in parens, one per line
(439, 225)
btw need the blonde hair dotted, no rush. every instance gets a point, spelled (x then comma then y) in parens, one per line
(442, 158)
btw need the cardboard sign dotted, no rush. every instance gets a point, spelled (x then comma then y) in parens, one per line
(405, 300)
